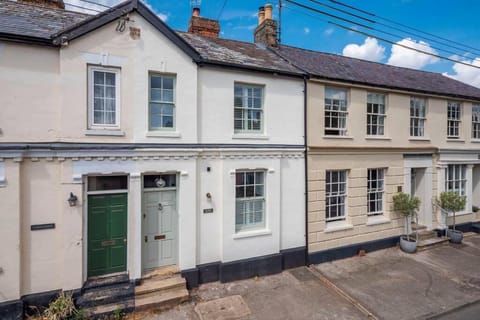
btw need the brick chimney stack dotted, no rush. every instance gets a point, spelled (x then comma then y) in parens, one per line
(53, 4)
(203, 26)
(266, 31)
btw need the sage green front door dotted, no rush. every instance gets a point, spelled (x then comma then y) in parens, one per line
(159, 229)
(107, 233)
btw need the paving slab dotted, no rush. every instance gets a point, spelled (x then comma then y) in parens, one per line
(395, 285)
(231, 307)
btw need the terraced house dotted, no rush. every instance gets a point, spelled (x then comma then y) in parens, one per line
(135, 159)
(127, 147)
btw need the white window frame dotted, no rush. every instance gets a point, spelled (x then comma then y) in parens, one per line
(417, 117)
(379, 126)
(173, 102)
(454, 119)
(339, 196)
(456, 178)
(476, 121)
(335, 109)
(249, 222)
(90, 85)
(246, 109)
(376, 189)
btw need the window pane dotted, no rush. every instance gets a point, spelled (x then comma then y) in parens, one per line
(98, 77)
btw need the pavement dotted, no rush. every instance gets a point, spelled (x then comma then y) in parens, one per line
(436, 284)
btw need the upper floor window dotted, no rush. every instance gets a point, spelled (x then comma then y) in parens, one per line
(335, 111)
(248, 108)
(476, 121)
(103, 97)
(456, 178)
(417, 116)
(250, 199)
(161, 111)
(375, 190)
(375, 114)
(336, 195)
(454, 120)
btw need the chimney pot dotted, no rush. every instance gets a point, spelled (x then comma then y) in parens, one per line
(268, 12)
(196, 12)
(261, 15)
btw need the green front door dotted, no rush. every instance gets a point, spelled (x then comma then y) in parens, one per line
(107, 234)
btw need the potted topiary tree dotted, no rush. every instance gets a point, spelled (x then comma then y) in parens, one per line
(452, 202)
(407, 206)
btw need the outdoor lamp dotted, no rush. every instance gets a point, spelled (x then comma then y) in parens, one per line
(72, 200)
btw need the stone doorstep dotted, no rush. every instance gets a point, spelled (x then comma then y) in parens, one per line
(161, 300)
(431, 243)
(107, 310)
(154, 285)
(417, 227)
(104, 295)
(161, 273)
(425, 234)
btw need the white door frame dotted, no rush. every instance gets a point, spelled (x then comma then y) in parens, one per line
(421, 162)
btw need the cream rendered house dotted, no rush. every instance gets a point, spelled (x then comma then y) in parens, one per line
(374, 130)
(127, 147)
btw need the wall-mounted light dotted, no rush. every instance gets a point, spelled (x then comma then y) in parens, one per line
(209, 196)
(72, 200)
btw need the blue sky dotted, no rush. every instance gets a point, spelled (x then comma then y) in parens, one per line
(453, 20)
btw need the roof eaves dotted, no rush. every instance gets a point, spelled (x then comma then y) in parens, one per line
(26, 39)
(363, 83)
(228, 65)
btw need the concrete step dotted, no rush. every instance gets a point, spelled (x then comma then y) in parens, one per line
(155, 285)
(417, 227)
(431, 243)
(105, 281)
(425, 234)
(105, 295)
(161, 273)
(161, 300)
(108, 310)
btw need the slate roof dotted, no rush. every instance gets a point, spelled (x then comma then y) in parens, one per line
(336, 67)
(34, 21)
(238, 53)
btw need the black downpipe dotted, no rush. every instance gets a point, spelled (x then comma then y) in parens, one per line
(306, 165)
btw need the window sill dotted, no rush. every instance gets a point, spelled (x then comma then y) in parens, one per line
(455, 140)
(475, 140)
(377, 138)
(375, 220)
(163, 134)
(251, 136)
(337, 137)
(253, 233)
(419, 139)
(335, 226)
(104, 132)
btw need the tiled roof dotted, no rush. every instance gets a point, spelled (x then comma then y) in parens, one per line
(239, 53)
(336, 67)
(35, 21)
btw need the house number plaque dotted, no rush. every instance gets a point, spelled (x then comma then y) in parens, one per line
(210, 210)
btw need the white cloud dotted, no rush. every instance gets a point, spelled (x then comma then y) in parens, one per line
(306, 30)
(328, 32)
(369, 50)
(465, 73)
(404, 57)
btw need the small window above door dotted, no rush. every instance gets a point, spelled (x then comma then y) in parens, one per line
(105, 183)
(160, 181)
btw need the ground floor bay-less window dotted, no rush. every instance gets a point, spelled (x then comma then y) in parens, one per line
(336, 195)
(375, 190)
(250, 199)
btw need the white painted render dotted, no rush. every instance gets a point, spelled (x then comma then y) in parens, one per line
(283, 108)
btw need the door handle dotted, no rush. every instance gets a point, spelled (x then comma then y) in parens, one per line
(146, 238)
(125, 240)
(160, 207)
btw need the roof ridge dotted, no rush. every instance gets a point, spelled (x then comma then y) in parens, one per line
(46, 8)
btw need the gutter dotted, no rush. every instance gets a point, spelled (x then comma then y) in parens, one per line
(26, 39)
